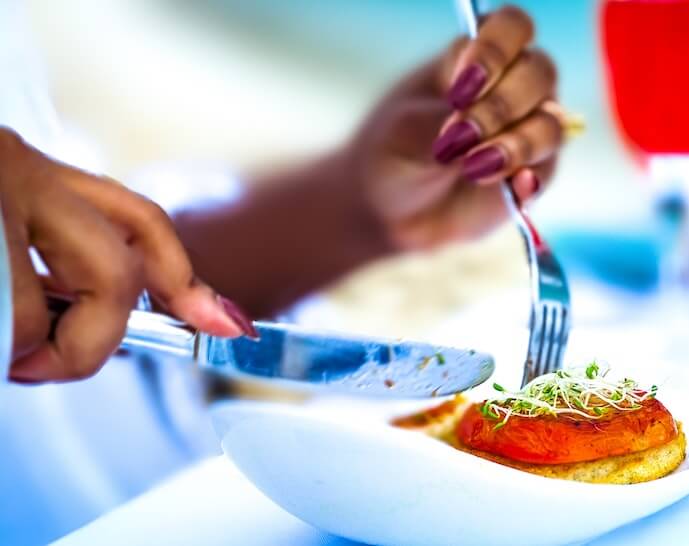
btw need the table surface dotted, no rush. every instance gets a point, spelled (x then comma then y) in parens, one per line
(213, 504)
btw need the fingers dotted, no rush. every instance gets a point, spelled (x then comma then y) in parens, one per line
(502, 36)
(30, 318)
(528, 82)
(167, 270)
(532, 141)
(105, 287)
(469, 67)
(526, 85)
(470, 210)
(102, 245)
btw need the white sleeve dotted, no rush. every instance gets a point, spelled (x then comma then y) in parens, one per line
(25, 103)
(6, 329)
(25, 106)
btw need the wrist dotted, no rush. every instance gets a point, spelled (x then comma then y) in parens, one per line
(290, 234)
(364, 229)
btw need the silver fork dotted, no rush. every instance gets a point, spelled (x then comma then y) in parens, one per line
(549, 321)
(550, 315)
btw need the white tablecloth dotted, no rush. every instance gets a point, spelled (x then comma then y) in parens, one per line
(213, 504)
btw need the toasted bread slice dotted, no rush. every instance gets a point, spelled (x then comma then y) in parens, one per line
(642, 466)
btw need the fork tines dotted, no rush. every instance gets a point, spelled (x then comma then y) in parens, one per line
(549, 329)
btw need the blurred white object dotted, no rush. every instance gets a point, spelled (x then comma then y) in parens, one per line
(5, 306)
(212, 504)
(364, 480)
(176, 184)
(669, 171)
(25, 103)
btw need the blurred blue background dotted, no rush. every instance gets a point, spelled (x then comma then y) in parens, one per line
(146, 89)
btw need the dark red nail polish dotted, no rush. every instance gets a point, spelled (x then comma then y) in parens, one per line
(510, 185)
(535, 184)
(483, 163)
(458, 138)
(237, 315)
(23, 381)
(467, 86)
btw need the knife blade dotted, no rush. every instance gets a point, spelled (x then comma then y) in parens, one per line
(302, 359)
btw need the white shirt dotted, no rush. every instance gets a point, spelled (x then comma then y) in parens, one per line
(25, 106)
(25, 103)
(66, 453)
(5, 308)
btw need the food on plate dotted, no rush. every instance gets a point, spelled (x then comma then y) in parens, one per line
(571, 424)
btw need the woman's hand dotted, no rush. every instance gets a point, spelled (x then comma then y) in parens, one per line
(432, 154)
(102, 245)
(422, 170)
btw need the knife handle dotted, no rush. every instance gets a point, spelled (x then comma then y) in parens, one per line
(145, 330)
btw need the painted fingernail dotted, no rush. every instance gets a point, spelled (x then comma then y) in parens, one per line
(535, 184)
(458, 138)
(233, 311)
(467, 86)
(483, 163)
(34, 368)
(24, 381)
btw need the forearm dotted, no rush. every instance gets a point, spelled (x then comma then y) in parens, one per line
(294, 234)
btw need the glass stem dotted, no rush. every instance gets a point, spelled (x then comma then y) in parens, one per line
(670, 176)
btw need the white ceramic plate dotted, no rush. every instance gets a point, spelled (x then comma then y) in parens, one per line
(351, 474)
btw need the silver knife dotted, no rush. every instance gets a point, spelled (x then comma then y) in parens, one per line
(303, 359)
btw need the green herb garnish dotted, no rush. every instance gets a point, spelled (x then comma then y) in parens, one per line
(592, 370)
(578, 391)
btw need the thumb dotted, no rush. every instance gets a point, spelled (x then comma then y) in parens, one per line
(407, 188)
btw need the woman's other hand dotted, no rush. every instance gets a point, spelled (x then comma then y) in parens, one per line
(430, 157)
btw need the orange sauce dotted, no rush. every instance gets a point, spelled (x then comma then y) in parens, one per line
(427, 416)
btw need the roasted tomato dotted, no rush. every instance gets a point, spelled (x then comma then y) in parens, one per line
(568, 438)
